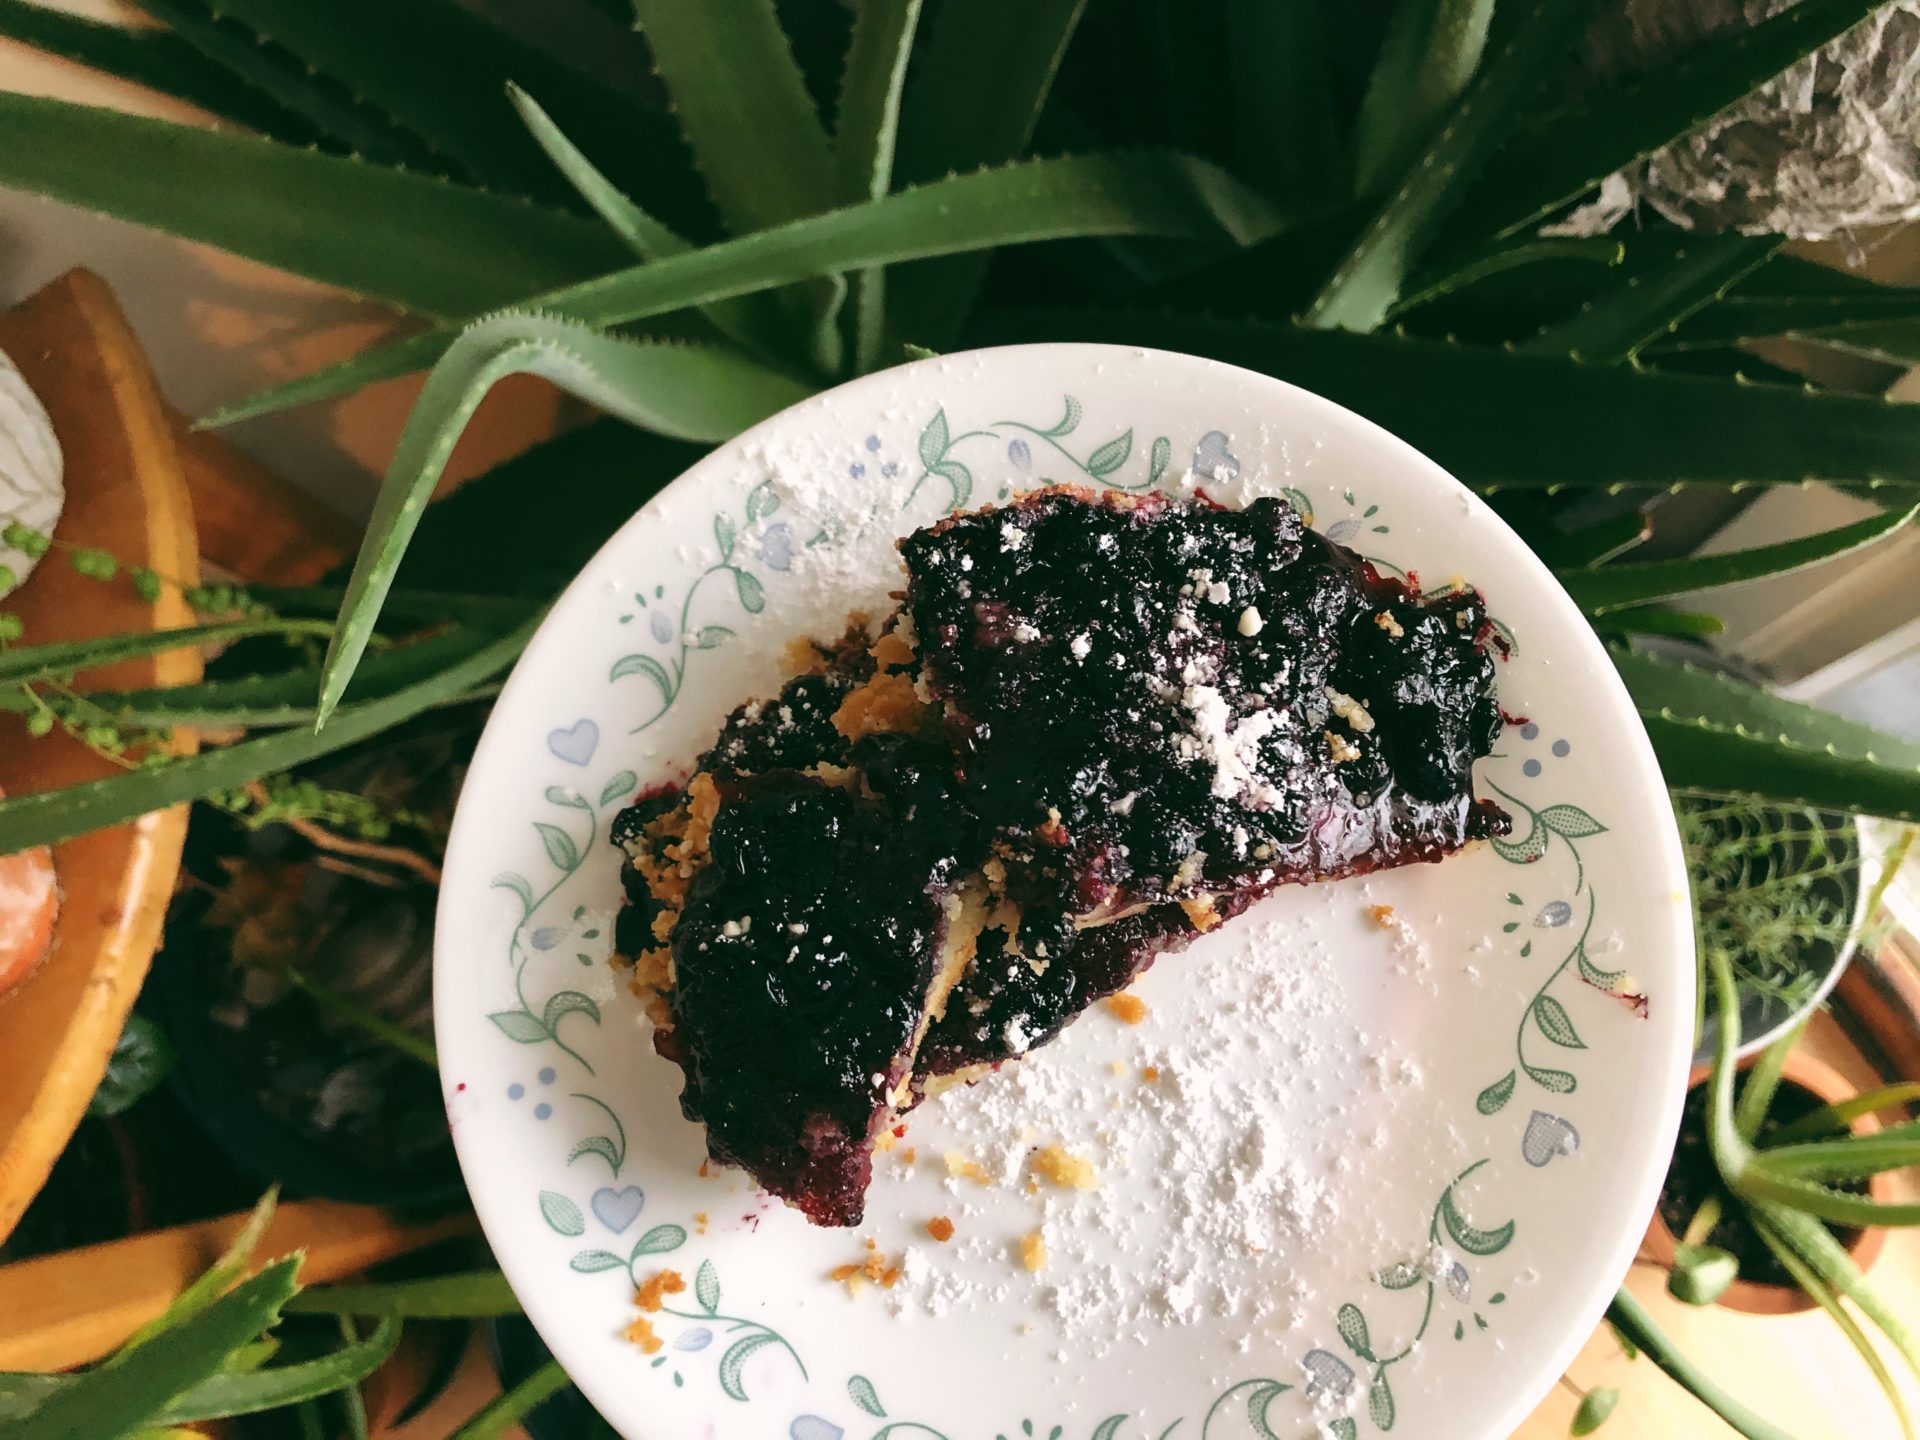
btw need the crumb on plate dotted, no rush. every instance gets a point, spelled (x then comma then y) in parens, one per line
(1033, 1251)
(1127, 1009)
(640, 1333)
(940, 1228)
(653, 1291)
(1059, 1167)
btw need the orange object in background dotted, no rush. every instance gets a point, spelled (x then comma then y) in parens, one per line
(29, 901)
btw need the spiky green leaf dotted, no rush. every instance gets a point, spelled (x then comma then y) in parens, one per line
(867, 132)
(1284, 114)
(503, 1412)
(1431, 49)
(1626, 319)
(219, 1396)
(439, 1297)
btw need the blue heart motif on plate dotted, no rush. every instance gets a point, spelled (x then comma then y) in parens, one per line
(617, 1209)
(812, 1427)
(1547, 1137)
(576, 743)
(1212, 460)
(1328, 1373)
(776, 547)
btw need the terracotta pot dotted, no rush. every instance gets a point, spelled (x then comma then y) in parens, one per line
(1746, 1295)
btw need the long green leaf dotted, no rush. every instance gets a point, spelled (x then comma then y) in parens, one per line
(1811, 1197)
(1577, 149)
(133, 1388)
(154, 58)
(866, 135)
(1862, 309)
(1763, 1083)
(1500, 257)
(1811, 1283)
(1615, 586)
(1854, 1158)
(1431, 50)
(219, 1396)
(1132, 194)
(322, 104)
(29, 664)
(950, 122)
(752, 320)
(498, 1416)
(1683, 691)
(1631, 1319)
(1843, 1113)
(744, 107)
(437, 248)
(683, 391)
(51, 815)
(440, 1297)
(1660, 430)
(219, 1276)
(1695, 754)
(1815, 1244)
(1624, 321)
(1897, 342)
(1284, 115)
(1657, 620)
(1365, 285)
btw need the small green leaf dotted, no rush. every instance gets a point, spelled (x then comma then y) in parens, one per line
(1108, 1429)
(644, 665)
(735, 1360)
(1470, 1239)
(561, 849)
(1110, 456)
(1403, 1275)
(1380, 1401)
(141, 1059)
(1554, 1022)
(934, 439)
(601, 1145)
(753, 595)
(1157, 462)
(1570, 821)
(1258, 1399)
(519, 1026)
(1701, 1273)
(1560, 1082)
(569, 1002)
(1343, 1428)
(762, 501)
(1068, 422)
(1493, 1099)
(561, 1214)
(711, 637)
(660, 1240)
(706, 1287)
(1352, 1326)
(959, 481)
(723, 535)
(860, 1390)
(588, 1262)
(1526, 850)
(1595, 1406)
(619, 787)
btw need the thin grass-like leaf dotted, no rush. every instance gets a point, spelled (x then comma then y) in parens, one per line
(30, 664)
(219, 1396)
(1852, 1158)
(1811, 1283)
(1630, 1318)
(741, 100)
(1564, 157)
(479, 1294)
(501, 1414)
(53, 815)
(1616, 586)
(752, 320)
(1763, 1083)
(865, 138)
(438, 248)
(1596, 544)
(217, 1277)
(1842, 1113)
(1431, 50)
(1365, 285)
(1828, 1259)
(1501, 256)
(155, 58)
(1657, 620)
(684, 391)
(1132, 194)
(1625, 320)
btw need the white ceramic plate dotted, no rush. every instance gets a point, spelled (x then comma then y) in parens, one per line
(1388, 1175)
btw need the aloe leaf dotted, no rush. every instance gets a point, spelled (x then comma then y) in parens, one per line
(1657, 620)
(503, 1412)
(1897, 342)
(1659, 429)
(752, 320)
(1828, 1259)
(1283, 111)
(1596, 544)
(1616, 586)
(1631, 1319)
(741, 100)
(1365, 285)
(1763, 1083)
(1431, 50)
(1842, 1113)
(1501, 256)
(52, 815)
(132, 1388)
(154, 58)
(439, 249)
(1839, 316)
(30, 664)
(1623, 321)
(334, 113)
(440, 1297)
(1129, 194)
(1853, 1158)
(217, 1277)
(1726, 1140)
(219, 1396)
(1564, 157)
(1695, 754)
(684, 391)
(866, 134)
(950, 123)
(1682, 691)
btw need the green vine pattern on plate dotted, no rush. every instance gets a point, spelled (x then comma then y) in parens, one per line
(1441, 1280)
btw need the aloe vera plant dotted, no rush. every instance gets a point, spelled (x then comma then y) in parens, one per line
(728, 207)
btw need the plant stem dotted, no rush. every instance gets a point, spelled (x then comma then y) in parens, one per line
(408, 1044)
(496, 1418)
(1631, 1319)
(1703, 1221)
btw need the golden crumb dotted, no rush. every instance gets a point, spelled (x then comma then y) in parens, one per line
(640, 1333)
(940, 1228)
(1341, 750)
(1382, 915)
(1392, 626)
(700, 1223)
(653, 1293)
(1150, 1074)
(1118, 1067)
(961, 1166)
(885, 1141)
(909, 1156)
(886, 703)
(804, 657)
(1033, 1251)
(1068, 1171)
(1127, 1009)
(890, 652)
(1201, 914)
(874, 1270)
